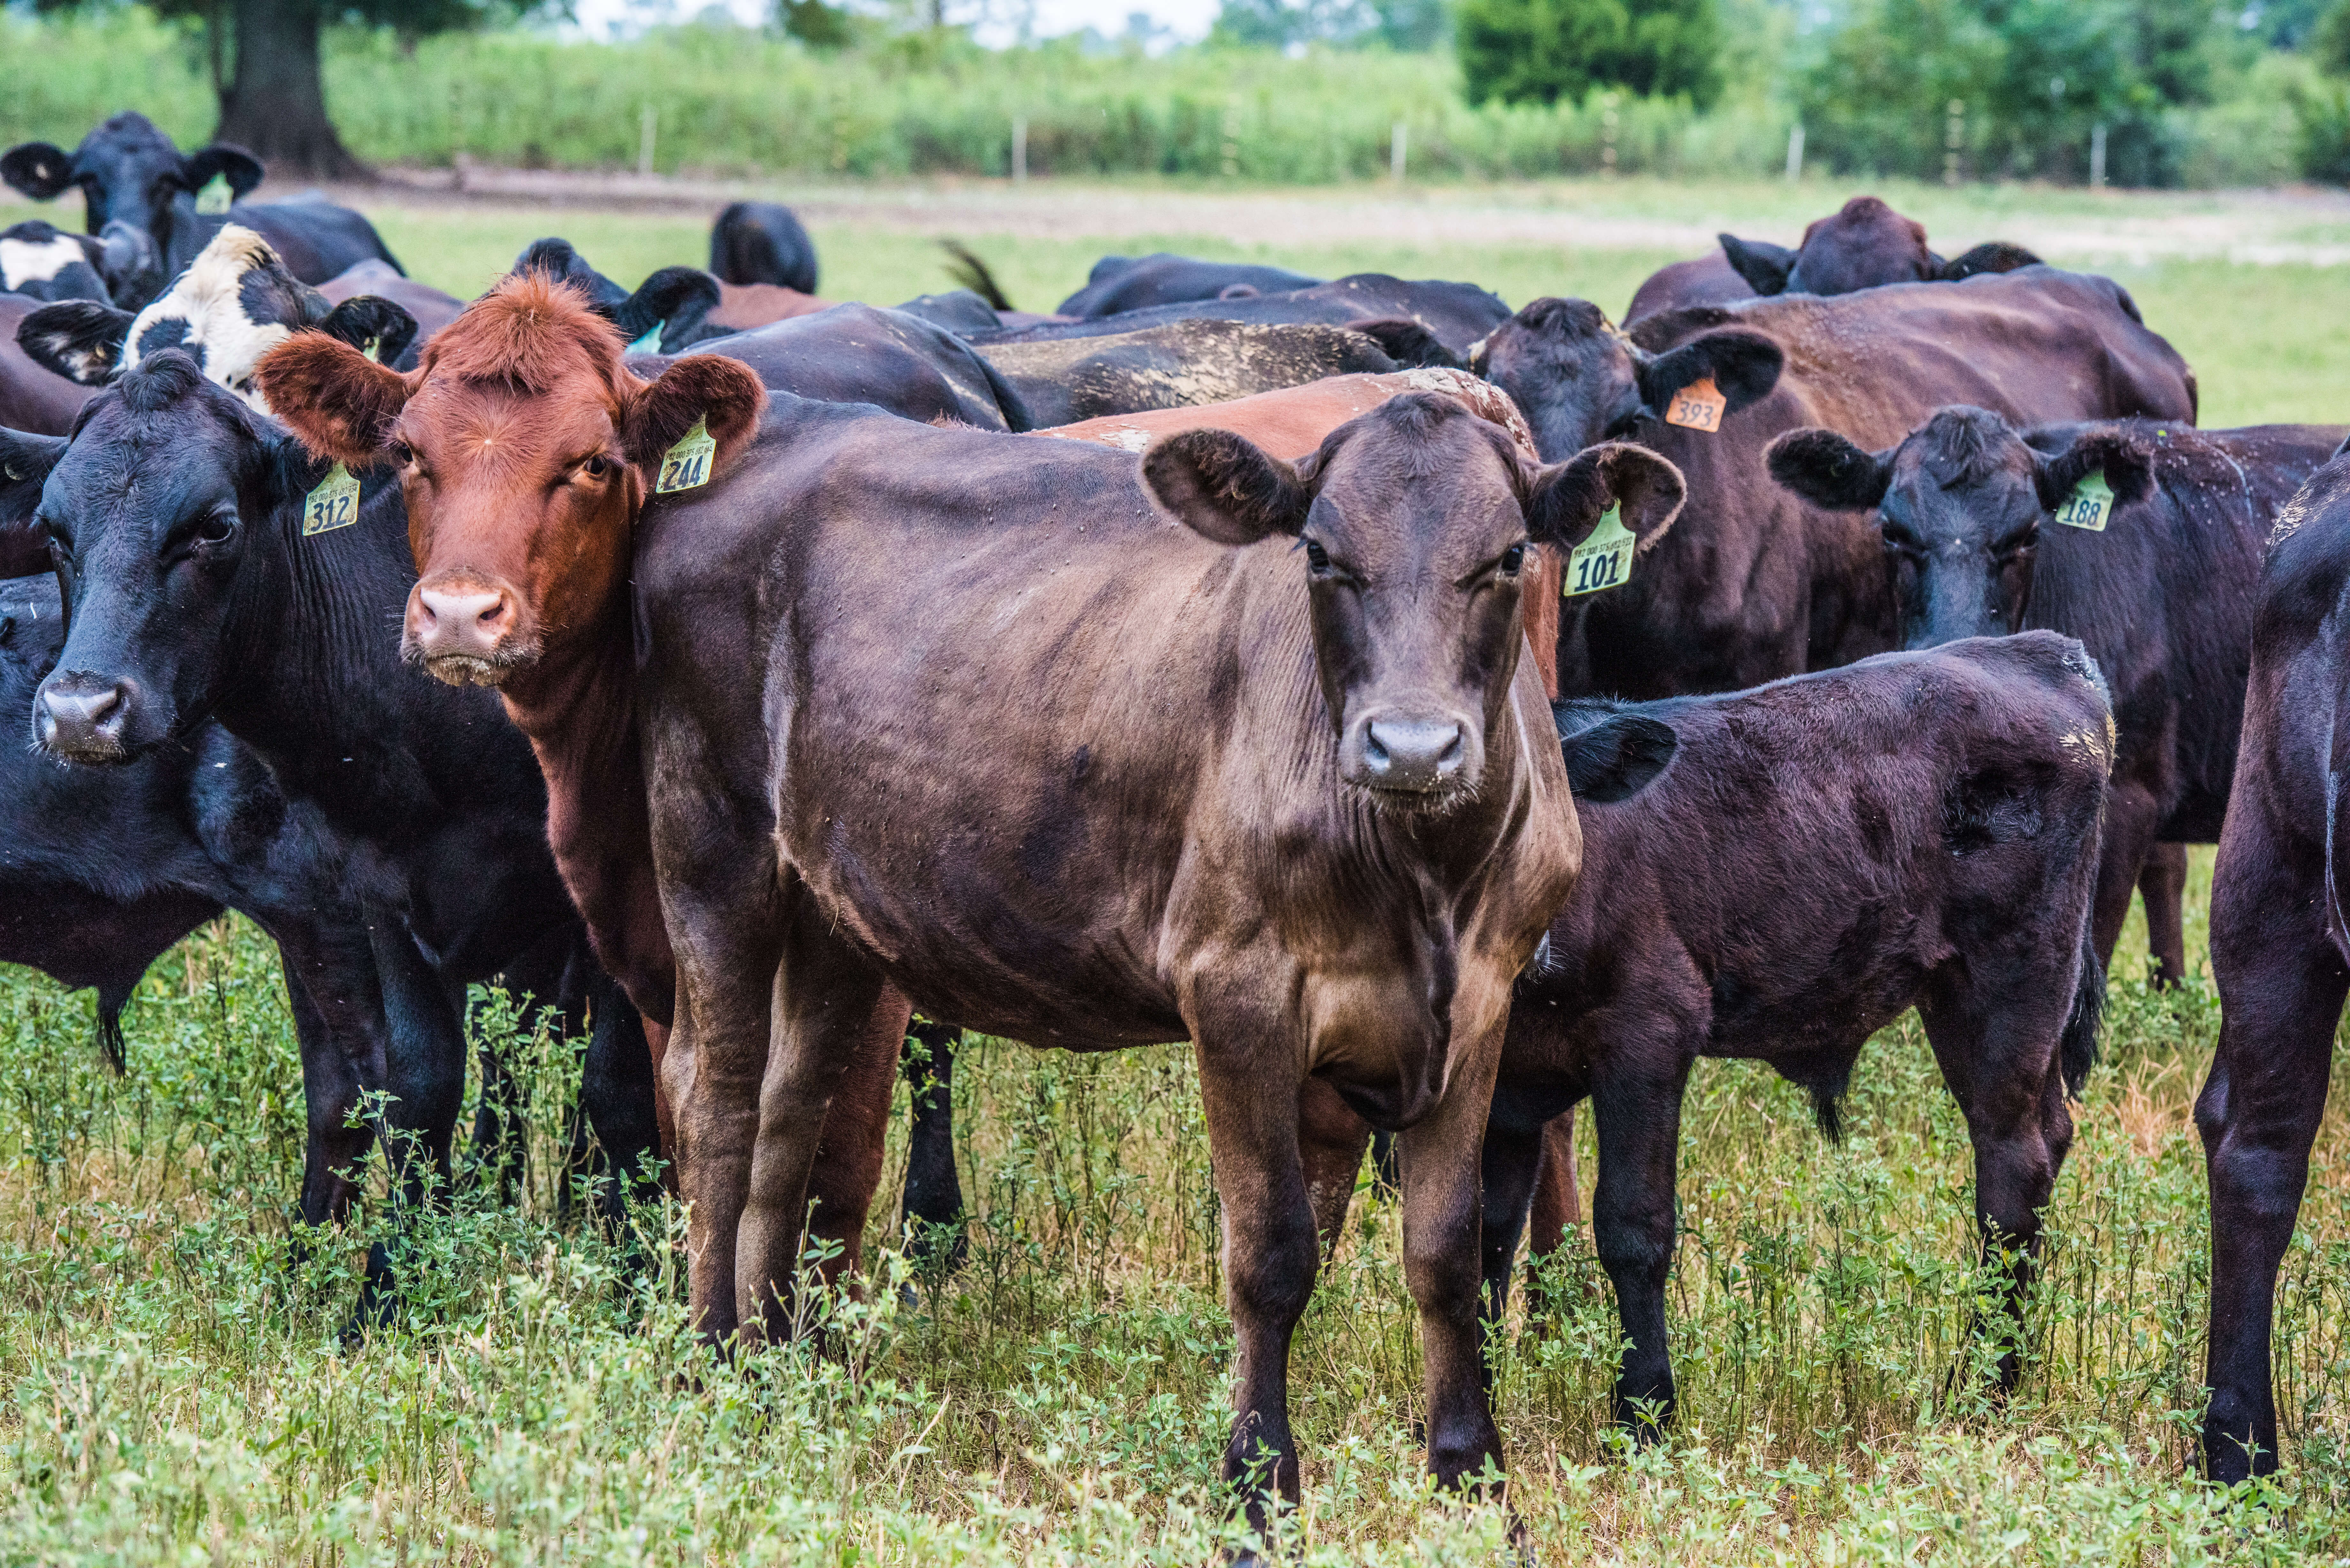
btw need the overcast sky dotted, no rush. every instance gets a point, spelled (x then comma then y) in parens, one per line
(1186, 19)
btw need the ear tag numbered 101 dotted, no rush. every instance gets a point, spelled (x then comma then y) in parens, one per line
(334, 504)
(687, 466)
(2091, 503)
(215, 199)
(1603, 560)
(1698, 406)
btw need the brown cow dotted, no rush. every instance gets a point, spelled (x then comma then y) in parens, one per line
(1226, 899)
(742, 306)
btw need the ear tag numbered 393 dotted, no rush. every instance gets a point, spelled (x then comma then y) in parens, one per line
(215, 199)
(334, 504)
(1603, 560)
(687, 466)
(2091, 503)
(1698, 406)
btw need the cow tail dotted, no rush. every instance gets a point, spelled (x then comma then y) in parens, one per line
(110, 1004)
(2077, 1050)
(973, 274)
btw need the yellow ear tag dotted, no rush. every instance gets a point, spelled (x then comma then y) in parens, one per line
(687, 466)
(1603, 560)
(215, 199)
(334, 504)
(2091, 503)
(1698, 406)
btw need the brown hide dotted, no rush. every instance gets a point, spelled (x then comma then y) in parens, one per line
(742, 306)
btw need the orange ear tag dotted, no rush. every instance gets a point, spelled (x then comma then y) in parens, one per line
(1697, 406)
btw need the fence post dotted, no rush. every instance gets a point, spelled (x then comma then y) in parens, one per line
(1020, 150)
(1396, 151)
(1954, 136)
(1232, 147)
(1607, 135)
(2097, 157)
(1795, 152)
(645, 141)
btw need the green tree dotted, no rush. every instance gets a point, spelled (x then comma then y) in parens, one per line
(1540, 51)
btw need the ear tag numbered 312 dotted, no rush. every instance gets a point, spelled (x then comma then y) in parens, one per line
(215, 199)
(334, 504)
(687, 466)
(1603, 560)
(2091, 503)
(1698, 406)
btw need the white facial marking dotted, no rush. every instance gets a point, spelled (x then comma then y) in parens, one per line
(36, 261)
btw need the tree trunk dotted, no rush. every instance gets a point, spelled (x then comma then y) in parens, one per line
(277, 106)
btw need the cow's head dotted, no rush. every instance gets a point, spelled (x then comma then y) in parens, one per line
(1415, 522)
(128, 172)
(675, 301)
(524, 448)
(233, 305)
(41, 261)
(1960, 503)
(1864, 245)
(151, 512)
(1580, 380)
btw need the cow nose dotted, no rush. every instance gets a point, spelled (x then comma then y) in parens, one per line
(1413, 753)
(81, 717)
(474, 623)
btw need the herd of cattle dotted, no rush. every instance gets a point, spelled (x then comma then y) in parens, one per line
(1438, 714)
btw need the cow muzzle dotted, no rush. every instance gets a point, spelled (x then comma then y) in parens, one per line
(464, 629)
(83, 718)
(1421, 758)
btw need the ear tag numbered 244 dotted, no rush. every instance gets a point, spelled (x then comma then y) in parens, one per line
(2091, 503)
(1698, 406)
(215, 199)
(1603, 560)
(334, 504)
(687, 466)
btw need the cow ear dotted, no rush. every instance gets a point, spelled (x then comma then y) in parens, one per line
(25, 463)
(1742, 364)
(1407, 343)
(2120, 456)
(674, 299)
(1222, 487)
(725, 394)
(338, 402)
(1763, 264)
(1566, 500)
(371, 324)
(1828, 471)
(1617, 758)
(80, 340)
(41, 170)
(226, 158)
(1994, 255)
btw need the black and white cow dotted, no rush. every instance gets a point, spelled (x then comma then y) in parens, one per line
(41, 261)
(236, 301)
(131, 172)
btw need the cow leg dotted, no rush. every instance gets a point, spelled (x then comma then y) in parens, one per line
(1270, 1251)
(1510, 1170)
(533, 982)
(1330, 1142)
(2282, 985)
(847, 1168)
(931, 1217)
(2162, 884)
(616, 1102)
(424, 1086)
(1637, 1118)
(1443, 1213)
(337, 1007)
(1557, 1203)
(2128, 840)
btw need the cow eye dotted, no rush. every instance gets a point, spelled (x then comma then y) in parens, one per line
(1317, 559)
(404, 454)
(1512, 559)
(595, 467)
(212, 527)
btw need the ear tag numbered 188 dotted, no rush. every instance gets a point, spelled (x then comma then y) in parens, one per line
(2091, 503)
(687, 466)
(334, 504)
(1698, 406)
(215, 199)
(1603, 560)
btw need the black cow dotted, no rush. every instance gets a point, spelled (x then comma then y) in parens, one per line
(130, 172)
(763, 242)
(2281, 952)
(1120, 283)
(1186, 363)
(235, 302)
(1814, 857)
(214, 570)
(2162, 597)
(1865, 245)
(862, 354)
(1457, 314)
(665, 313)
